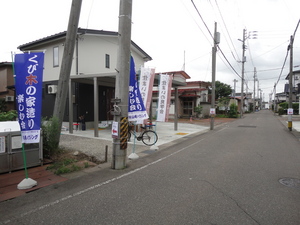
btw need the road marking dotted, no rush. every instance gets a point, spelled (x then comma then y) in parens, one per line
(99, 185)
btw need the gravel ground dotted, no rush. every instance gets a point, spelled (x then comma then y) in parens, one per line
(93, 147)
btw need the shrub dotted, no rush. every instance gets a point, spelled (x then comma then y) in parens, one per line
(50, 129)
(198, 110)
(233, 113)
(8, 116)
(281, 111)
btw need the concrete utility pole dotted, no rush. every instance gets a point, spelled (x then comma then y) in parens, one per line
(254, 78)
(64, 76)
(275, 102)
(213, 82)
(122, 86)
(234, 85)
(290, 122)
(243, 70)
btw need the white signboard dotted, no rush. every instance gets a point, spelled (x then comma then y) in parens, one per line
(115, 129)
(212, 111)
(290, 111)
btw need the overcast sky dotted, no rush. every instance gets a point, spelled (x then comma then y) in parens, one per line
(174, 35)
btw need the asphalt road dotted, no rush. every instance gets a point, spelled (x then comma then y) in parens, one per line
(227, 176)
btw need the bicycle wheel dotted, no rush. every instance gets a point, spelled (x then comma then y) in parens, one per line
(149, 137)
(128, 136)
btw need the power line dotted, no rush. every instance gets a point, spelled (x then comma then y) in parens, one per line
(213, 39)
(287, 53)
(227, 31)
(202, 20)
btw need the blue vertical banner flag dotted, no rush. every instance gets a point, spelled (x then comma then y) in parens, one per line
(28, 82)
(136, 108)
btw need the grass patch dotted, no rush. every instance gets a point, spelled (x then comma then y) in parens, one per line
(66, 162)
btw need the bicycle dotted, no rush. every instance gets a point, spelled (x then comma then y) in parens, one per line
(148, 137)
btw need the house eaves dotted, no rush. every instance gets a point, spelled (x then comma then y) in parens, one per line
(5, 64)
(294, 73)
(80, 31)
(183, 73)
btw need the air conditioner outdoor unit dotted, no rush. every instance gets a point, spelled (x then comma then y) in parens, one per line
(52, 89)
(9, 98)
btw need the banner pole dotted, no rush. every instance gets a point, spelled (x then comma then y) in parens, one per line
(23, 146)
(24, 160)
(133, 155)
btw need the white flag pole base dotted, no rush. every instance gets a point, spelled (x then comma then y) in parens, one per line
(27, 183)
(154, 147)
(133, 156)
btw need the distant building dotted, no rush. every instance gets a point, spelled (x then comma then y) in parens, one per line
(7, 92)
(194, 94)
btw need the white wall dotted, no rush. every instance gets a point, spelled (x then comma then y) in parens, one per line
(91, 56)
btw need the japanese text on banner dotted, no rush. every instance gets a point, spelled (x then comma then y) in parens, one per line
(136, 107)
(146, 86)
(29, 78)
(164, 97)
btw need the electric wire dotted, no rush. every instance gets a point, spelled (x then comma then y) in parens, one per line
(227, 32)
(214, 40)
(196, 22)
(287, 53)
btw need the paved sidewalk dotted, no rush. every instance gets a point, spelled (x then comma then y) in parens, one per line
(295, 121)
(85, 141)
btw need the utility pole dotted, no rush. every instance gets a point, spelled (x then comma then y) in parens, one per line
(243, 70)
(257, 91)
(213, 82)
(234, 85)
(290, 122)
(275, 102)
(122, 86)
(64, 76)
(254, 78)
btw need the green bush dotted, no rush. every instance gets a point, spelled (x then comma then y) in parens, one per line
(8, 116)
(284, 105)
(50, 129)
(198, 110)
(233, 113)
(281, 111)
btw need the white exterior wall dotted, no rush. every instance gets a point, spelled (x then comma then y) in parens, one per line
(91, 56)
(52, 73)
(92, 50)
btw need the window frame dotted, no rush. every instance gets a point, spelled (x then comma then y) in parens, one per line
(55, 56)
(107, 61)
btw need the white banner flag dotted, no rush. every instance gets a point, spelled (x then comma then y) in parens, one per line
(164, 97)
(146, 86)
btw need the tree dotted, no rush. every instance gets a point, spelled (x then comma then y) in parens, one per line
(222, 90)
(233, 113)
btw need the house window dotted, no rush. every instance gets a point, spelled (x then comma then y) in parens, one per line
(107, 61)
(55, 57)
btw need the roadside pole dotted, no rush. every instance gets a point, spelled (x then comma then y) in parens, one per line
(290, 115)
(64, 76)
(254, 79)
(122, 86)
(243, 70)
(213, 81)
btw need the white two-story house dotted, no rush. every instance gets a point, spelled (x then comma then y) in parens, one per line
(95, 56)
